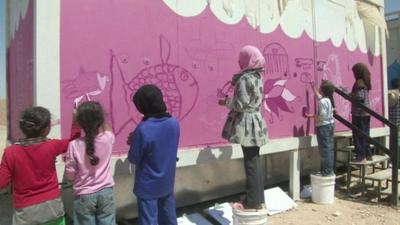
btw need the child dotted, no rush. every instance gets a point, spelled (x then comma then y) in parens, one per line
(88, 166)
(360, 118)
(29, 165)
(153, 149)
(325, 126)
(245, 124)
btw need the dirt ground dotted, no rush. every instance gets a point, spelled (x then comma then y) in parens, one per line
(343, 211)
(348, 208)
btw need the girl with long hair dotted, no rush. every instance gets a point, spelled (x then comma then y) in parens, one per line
(360, 118)
(88, 166)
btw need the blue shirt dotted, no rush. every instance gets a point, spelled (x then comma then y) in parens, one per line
(153, 151)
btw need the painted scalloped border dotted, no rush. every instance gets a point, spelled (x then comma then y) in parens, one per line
(360, 43)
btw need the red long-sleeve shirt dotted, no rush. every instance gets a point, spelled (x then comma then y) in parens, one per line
(31, 170)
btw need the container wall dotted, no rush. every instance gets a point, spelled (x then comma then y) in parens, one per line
(20, 54)
(109, 49)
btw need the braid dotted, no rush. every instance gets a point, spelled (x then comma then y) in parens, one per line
(90, 117)
(90, 149)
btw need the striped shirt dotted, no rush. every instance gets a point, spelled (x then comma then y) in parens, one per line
(363, 96)
(394, 114)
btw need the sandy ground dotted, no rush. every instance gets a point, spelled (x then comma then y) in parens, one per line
(343, 211)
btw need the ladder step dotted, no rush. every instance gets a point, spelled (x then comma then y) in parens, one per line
(380, 175)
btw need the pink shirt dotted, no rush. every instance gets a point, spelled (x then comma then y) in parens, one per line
(86, 178)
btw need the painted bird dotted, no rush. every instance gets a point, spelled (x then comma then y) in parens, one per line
(85, 85)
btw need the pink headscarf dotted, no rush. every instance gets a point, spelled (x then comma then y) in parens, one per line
(250, 57)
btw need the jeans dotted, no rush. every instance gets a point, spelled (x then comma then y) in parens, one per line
(159, 211)
(361, 145)
(95, 209)
(254, 177)
(326, 147)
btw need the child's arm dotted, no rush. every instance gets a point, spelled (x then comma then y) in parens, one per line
(313, 116)
(5, 173)
(315, 90)
(107, 127)
(319, 96)
(137, 146)
(71, 167)
(62, 145)
(70, 164)
(242, 97)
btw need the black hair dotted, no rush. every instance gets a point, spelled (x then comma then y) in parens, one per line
(90, 116)
(395, 83)
(327, 89)
(33, 121)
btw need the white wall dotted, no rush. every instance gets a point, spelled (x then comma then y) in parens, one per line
(47, 59)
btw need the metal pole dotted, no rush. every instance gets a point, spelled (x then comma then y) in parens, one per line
(394, 148)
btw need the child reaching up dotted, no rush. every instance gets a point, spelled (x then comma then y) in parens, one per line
(153, 150)
(88, 166)
(29, 165)
(325, 125)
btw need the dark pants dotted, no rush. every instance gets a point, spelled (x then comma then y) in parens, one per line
(326, 147)
(254, 177)
(361, 145)
(159, 211)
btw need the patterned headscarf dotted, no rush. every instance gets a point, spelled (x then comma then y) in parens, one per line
(149, 101)
(250, 57)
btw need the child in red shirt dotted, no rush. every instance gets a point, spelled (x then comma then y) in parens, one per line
(29, 166)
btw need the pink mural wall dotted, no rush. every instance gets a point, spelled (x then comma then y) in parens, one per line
(20, 77)
(109, 49)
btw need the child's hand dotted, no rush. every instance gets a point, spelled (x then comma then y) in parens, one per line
(308, 115)
(74, 115)
(222, 102)
(129, 141)
(74, 111)
(107, 127)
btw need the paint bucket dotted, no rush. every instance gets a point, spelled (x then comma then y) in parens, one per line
(241, 217)
(323, 189)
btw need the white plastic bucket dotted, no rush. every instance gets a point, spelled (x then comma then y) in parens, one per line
(258, 217)
(323, 189)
